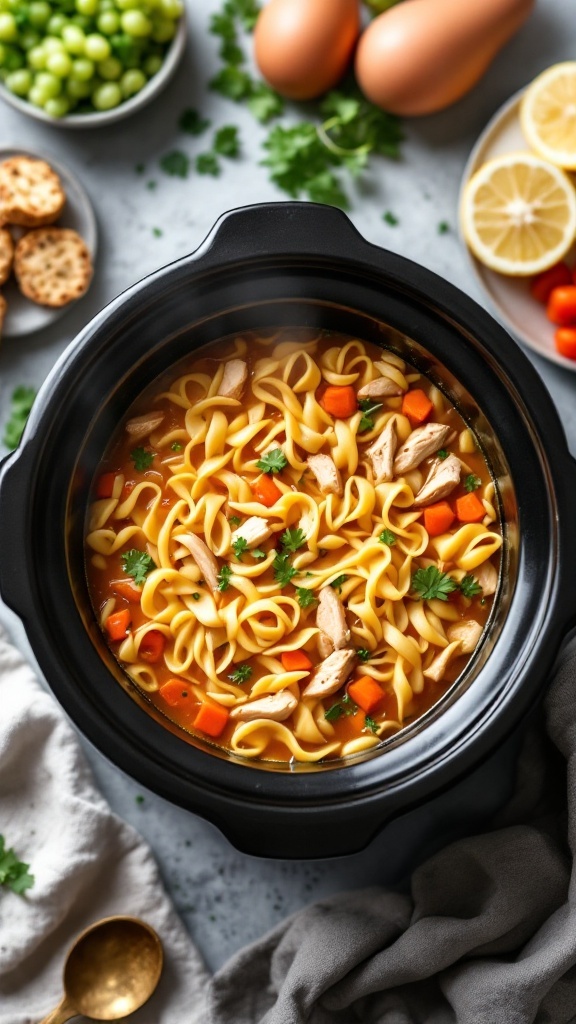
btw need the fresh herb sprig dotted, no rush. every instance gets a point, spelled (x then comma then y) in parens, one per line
(368, 408)
(472, 483)
(22, 401)
(387, 537)
(283, 570)
(430, 584)
(14, 873)
(273, 462)
(370, 725)
(241, 673)
(305, 597)
(469, 586)
(142, 459)
(224, 578)
(339, 582)
(346, 707)
(292, 539)
(137, 564)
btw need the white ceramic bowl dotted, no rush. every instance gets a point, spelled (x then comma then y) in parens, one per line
(103, 117)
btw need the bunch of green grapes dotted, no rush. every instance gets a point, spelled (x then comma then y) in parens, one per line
(83, 55)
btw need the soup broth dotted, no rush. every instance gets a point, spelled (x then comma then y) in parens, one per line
(293, 545)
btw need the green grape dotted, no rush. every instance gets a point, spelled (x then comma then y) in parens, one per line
(39, 13)
(47, 85)
(110, 69)
(36, 58)
(56, 24)
(86, 24)
(97, 47)
(163, 30)
(128, 5)
(88, 7)
(132, 82)
(57, 106)
(36, 96)
(78, 90)
(108, 22)
(52, 44)
(134, 23)
(59, 64)
(171, 8)
(106, 5)
(107, 96)
(13, 59)
(8, 28)
(82, 69)
(152, 65)
(73, 39)
(19, 82)
(29, 38)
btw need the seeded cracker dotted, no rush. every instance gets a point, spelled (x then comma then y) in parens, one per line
(6, 254)
(52, 266)
(31, 193)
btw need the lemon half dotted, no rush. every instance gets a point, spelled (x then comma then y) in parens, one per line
(548, 114)
(518, 214)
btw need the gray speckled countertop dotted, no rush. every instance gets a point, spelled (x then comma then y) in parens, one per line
(227, 898)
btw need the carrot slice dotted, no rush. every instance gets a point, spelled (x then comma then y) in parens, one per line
(469, 508)
(127, 590)
(565, 341)
(211, 719)
(295, 661)
(105, 485)
(366, 693)
(177, 693)
(416, 406)
(118, 624)
(438, 518)
(340, 402)
(152, 646)
(265, 491)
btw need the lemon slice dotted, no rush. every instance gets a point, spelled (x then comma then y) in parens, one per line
(548, 114)
(518, 214)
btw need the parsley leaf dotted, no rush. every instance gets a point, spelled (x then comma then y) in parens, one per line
(273, 462)
(235, 520)
(443, 227)
(442, 454)
(368, 407)
(258, 553)
(13, 872)
(226, 141)
(22, 401)
(137, 564)
(390, 218)
(337, 583)
(232, 82)
(370, 725)
(224, 578)
(346, 706)
(363, 654)
(240, 545)
(241, 673)
(430, 583)
(192, 122)
(176, 446)
(305, 597)
(264, 103)
(175, 164)
(283, 571)
(469, 586)
(472, 482)
(207, 163)
(142, 459)
(196, 596)
(291, 540)
(299, 162)
(387, 537)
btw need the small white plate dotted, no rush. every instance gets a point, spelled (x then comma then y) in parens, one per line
(523, 316)
(24, 316)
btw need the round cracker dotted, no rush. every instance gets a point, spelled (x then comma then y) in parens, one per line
(52, 266)
(31, 192)
(6, 254)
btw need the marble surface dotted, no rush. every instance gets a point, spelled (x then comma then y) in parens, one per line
(224, 897)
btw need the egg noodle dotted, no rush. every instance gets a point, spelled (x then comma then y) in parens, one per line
(201, 474)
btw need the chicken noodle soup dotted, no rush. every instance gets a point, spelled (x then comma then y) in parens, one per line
(293, 545)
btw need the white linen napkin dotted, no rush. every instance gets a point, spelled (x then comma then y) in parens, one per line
(86, 863)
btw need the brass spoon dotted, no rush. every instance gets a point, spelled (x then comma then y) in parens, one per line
(110, 971)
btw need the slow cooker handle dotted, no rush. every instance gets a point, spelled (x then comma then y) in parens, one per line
(14, 583)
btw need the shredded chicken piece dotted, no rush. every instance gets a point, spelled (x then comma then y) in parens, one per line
(233, 379)
(381, 453)
(253, 531)
(438, 666)
(276, 706)
(443, 477)
(142, 426)
(331, 674)
(487, 577)
(421, 443)
(331, 621)
(204, 558)
(468, 632)
(380, 387)
(326, 473)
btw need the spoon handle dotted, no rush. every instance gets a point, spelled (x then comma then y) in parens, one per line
(63, 1012)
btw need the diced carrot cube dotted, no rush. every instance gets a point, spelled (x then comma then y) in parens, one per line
(366, 693)
(438, 518)
(211, 719)
(469, 508)
(118, 624)
(416, 405)
(296, 661)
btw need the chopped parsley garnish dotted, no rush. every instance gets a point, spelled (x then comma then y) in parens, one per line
(241, 673)
(240, 545)
(142, 459)
(387, 537)
(235, 520)
(368, 407)
(176, 164)
(137, 564)
(370, 725)
(346, 706)
(430, 583)
(472, 482)
(363, 654)
(176, 447)
(283, 571)
(258, 553)
(196, 596)
(274, 462)
(291, 540)
(390, 218)
(226, 141)
(22, 401)
(13, 872)
(151, 185)
(140, 168)
(157, 232)
(469, 586)
(192, 122)
(442, 454)
(337, 583)
(224, 578)
(305, 597)
(207, 163)
(443, 227)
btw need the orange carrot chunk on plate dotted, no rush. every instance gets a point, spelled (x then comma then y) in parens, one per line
(565, 341)
(295, 661)
(366, 693)
(340, 402)
(211, 719)
(416, 406)
(469, 508)
(177, 693)
(118, 624)
(438, 518)
(152, 646)
(265, 491)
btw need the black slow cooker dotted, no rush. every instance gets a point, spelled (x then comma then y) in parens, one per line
(300, 265)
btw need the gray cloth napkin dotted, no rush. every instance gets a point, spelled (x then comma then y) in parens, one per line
(487, 934)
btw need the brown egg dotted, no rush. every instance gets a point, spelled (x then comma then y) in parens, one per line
(303, 47)
(423, 55)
